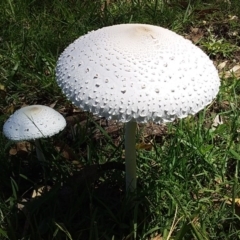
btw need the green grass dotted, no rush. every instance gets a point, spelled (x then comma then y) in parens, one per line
(187, 182)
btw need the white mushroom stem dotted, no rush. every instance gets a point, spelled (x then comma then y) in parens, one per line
(39, 151)
(130, 156)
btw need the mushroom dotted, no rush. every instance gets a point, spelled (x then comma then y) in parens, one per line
(32, 123)
(135, 73)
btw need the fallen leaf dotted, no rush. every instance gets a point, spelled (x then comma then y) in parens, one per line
(237, 201)
(13, 151)
(235, 68)
(2, 88)
(76, 118)
(158, 237)
(222, 65)
(20, 148)
(224, 105)
(203, 12)
(217, 121)
(196, 34)
(145, 146)
(9, 109)
(65, 150)
(236, 204)
(21, 204)
(53, 104)
(40, 191)
(233, 17)
(235, 71)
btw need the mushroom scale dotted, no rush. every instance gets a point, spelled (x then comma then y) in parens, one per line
(137, 72)
(33, 122)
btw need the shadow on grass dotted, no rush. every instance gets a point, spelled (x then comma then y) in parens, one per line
(90, 205)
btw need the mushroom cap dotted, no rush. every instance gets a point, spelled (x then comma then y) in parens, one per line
(137, 72)
(33, 122)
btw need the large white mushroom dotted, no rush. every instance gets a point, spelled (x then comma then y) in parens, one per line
(136, 73)
(32, 123)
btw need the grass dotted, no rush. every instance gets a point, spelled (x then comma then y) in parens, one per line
(189, 174)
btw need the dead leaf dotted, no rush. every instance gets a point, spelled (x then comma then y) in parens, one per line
(195, 34)
(145, 146)
(194, 30)
(224, 105)
(76, 118)
(77, 110)
(13, 151)
(233, 17)
(77, 164)
(21, 148)
(2, 88)
(65, 150)
(203, 12)
(235, 71)
(236, 205)
(217, 121)
(53, 104)
(222, 65)
(153, 130)
(237, 201)
(158, 237)
(9, 109)
(21, 204)
(40, 191)
(235, 68)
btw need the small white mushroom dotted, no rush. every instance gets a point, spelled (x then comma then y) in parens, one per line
(137, 73)
(32, 123)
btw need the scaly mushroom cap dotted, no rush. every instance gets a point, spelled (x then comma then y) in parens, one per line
(137, 72)
(33, 122)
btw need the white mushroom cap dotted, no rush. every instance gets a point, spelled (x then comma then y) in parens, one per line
(33, 122)
(137, 72)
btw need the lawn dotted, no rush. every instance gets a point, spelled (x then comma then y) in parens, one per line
(188, 171)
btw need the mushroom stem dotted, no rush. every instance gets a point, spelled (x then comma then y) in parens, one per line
(39, 151)
(130, 156)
